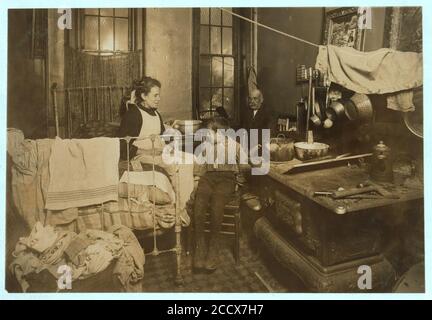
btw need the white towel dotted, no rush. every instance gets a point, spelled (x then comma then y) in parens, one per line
(83, 172)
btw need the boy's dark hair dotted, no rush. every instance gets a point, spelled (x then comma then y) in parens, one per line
(217, 122)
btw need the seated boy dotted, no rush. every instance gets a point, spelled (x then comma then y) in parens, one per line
(217, 183)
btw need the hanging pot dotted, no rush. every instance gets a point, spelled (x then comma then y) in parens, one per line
(335, 110)
(359, 107)
(316, 120)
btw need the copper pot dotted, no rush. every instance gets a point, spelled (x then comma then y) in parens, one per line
(336, 110)
(359, 107)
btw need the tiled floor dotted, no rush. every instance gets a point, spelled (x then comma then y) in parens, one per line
(253, 273)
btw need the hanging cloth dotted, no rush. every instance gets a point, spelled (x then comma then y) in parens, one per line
(384, 71)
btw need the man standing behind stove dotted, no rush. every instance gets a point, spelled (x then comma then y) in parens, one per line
(257, 115)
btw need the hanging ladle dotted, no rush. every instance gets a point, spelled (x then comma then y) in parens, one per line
(314, 118)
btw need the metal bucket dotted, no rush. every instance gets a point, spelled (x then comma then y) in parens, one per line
(359, 107)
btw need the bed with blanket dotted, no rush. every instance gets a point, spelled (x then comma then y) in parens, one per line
(80, 184)
(76, 185)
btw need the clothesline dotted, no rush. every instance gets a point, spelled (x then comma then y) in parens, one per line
(270, 28)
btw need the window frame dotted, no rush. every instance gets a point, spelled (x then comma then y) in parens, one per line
(197, 55)
(132, 32)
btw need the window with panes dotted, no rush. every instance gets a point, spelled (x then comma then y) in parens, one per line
(106, 31)
(217, 62)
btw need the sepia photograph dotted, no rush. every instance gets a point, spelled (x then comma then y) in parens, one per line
(214, 150)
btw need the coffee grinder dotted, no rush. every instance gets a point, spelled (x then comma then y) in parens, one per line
(382, 163)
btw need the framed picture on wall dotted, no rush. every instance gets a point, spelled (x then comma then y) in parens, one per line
(341, 28)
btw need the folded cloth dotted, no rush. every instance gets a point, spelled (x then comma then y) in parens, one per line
(382, 71)
(98, 256)
(130, 265)
(55, 253)
(145, 178)
(77, 245)
(41, 238)
(83, 172)
(112, 243)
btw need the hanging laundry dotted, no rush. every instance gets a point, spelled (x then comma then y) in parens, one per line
(384, 71)
(401, 101)
(83, 172)
(29, 175)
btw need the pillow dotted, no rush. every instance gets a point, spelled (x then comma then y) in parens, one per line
(149, 192)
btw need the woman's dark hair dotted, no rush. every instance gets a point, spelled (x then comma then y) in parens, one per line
(144, 86)
(137, 83)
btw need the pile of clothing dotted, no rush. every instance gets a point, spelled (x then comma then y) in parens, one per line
(85, 255)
